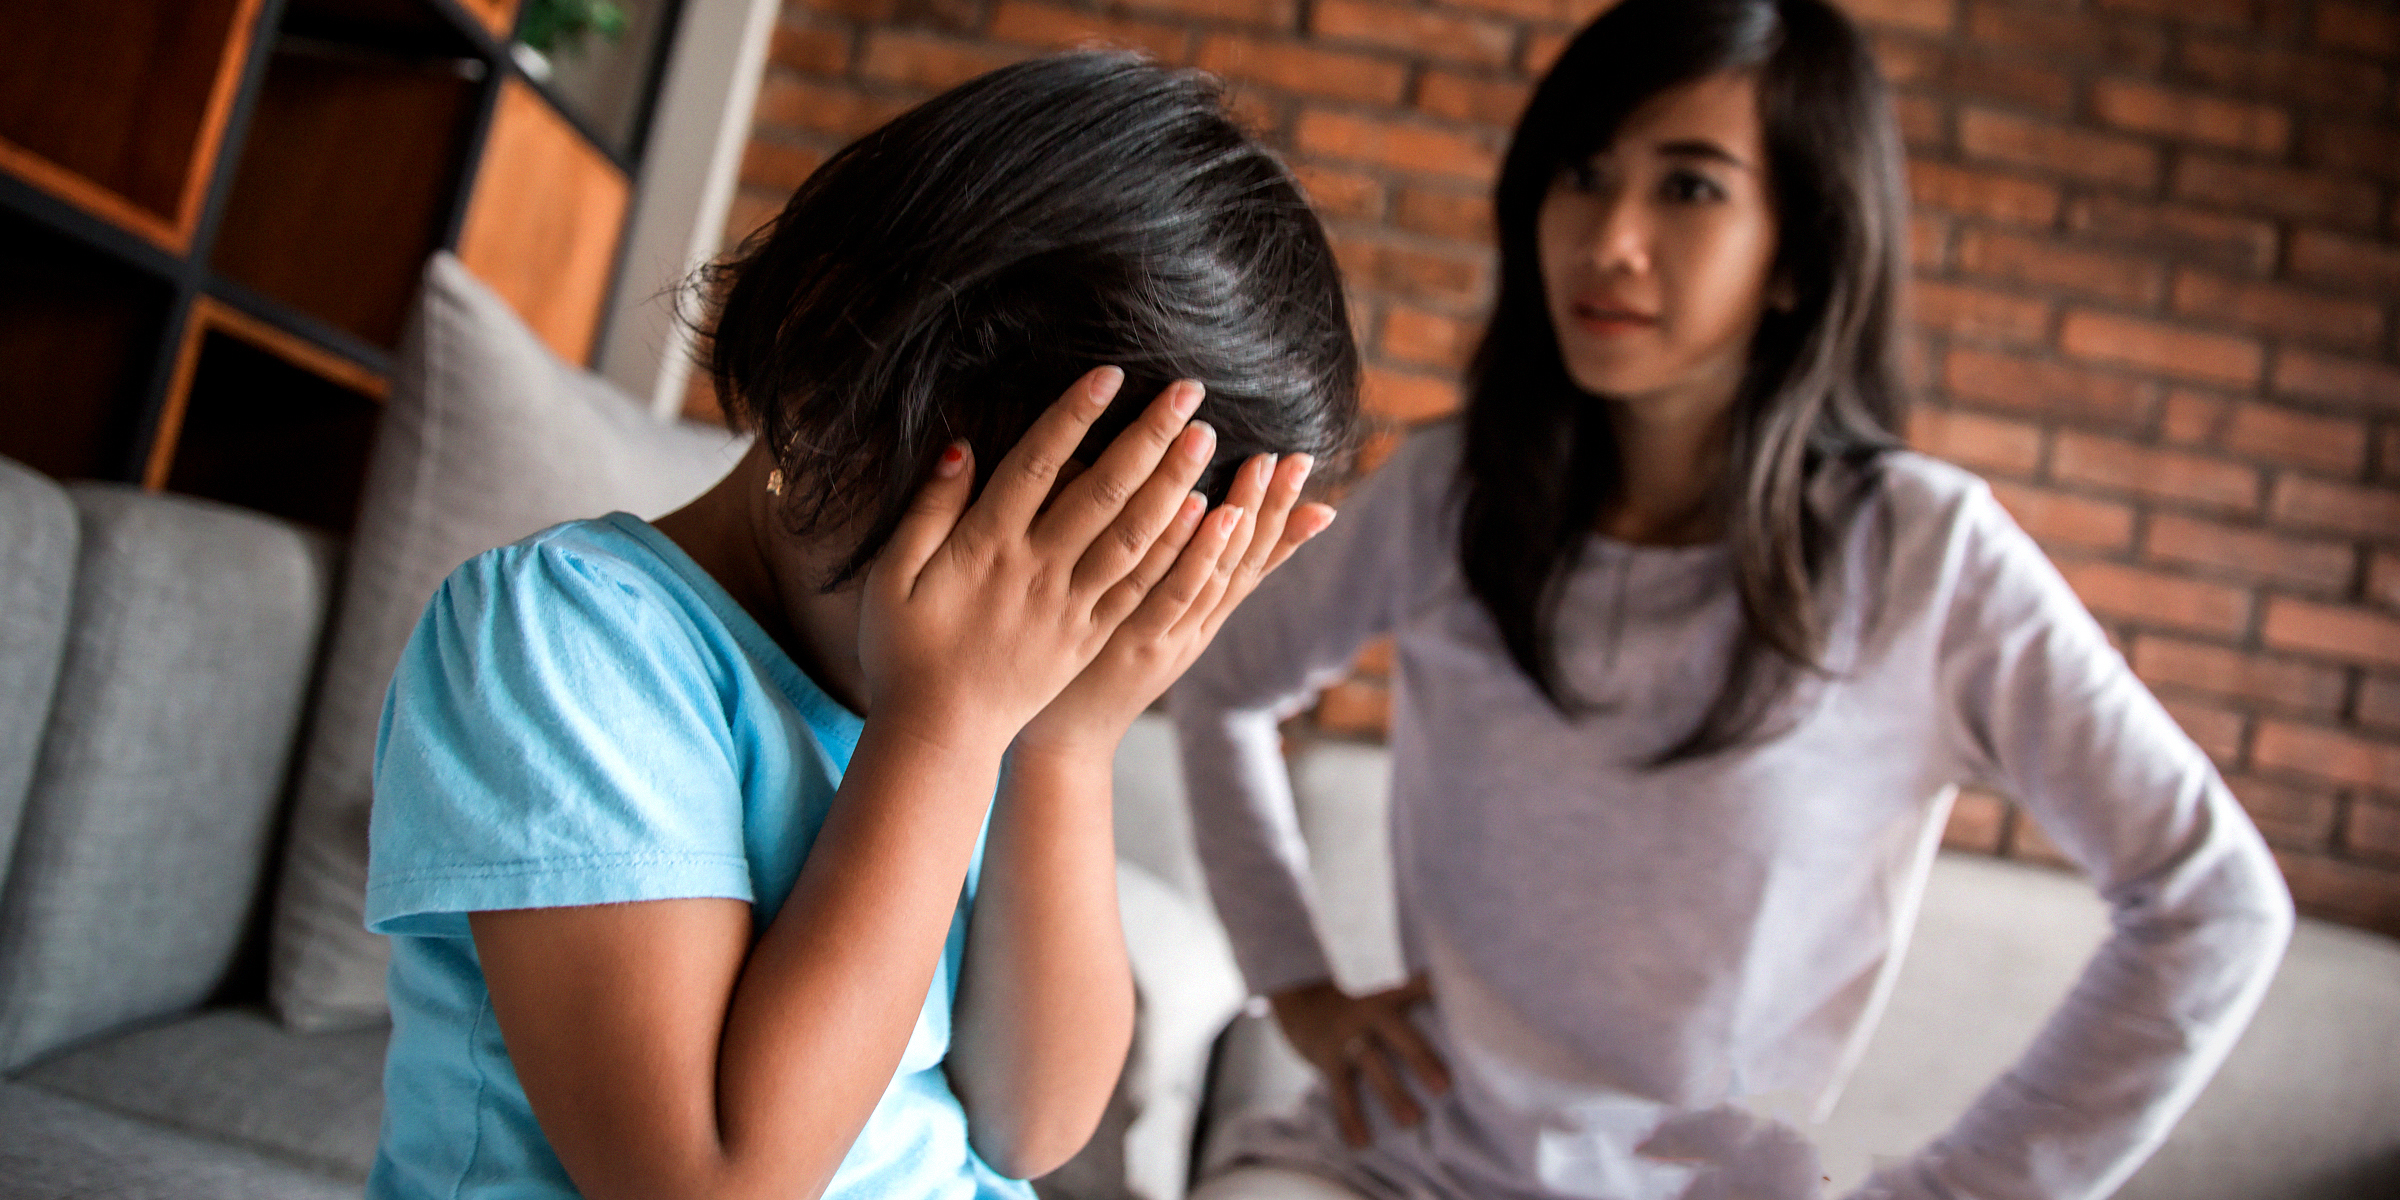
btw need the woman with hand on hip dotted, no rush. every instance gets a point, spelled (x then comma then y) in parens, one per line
(1690, 655)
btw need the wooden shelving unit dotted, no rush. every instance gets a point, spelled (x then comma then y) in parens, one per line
(213, 214)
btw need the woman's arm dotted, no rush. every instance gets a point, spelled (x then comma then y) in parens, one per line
(2049, 712)
(1045, 1009)
(667, 1057)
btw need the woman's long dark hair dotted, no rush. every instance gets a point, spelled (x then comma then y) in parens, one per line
(951, 273)
(1823, 391)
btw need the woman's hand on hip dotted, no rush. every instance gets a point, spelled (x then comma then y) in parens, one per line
(1367, 1039)
(975, 617)
(1191, 580)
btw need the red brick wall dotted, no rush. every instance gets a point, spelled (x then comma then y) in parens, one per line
(2158, 250)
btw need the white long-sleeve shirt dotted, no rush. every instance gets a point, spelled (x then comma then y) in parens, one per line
(1612, 947)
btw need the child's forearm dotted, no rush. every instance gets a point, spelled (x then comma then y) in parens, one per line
(666, 1056)
(1045, 1008)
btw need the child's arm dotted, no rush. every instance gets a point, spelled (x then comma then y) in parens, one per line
(665, 1055)
(1045, 1006)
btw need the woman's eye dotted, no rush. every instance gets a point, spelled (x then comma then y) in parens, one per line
(1690, 187)
(1583, 177)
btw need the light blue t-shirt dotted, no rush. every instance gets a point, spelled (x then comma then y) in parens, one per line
(586, 717)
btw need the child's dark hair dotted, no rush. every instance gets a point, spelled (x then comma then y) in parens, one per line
(1823, 392)
(950, 274)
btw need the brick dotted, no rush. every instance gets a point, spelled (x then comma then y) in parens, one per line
(1978, 442)
(1413, 335)
(2156, 473)
(2177, 231)
(1407, 398)
(2354, 147)
(2333, 444)
(2057, 389)
(2304, 503)
(2352, 893)
(1459, 216)
(1378, 445)
(2235, 13)
(2161, 347)
(1962, 72)
(2057, 149)
(2363, 28)
(2021, 259)
(2283, 191)
(2261, 679)
(2337, 631)
(2349, 381)
(866, 12)
(2379, 703)
(2278, 309)
(1270, 14)
(1428, 32)
(1335, 193)
(1569, 12)
(1471, 99)
(2369, 266)
(1965, 192)
(2137, 46)
(1388, 144)
(2323, 753)
(1457, 280)
(2306, 563)
(2373, 831)
(1924, 122)
(2027, 842)
(1930, 16)
(2065, 519)
(1542, 48)
(801, 48)
(1928, 242)
(2243, 67)
(2159, 599)
(932, 63)
(1977, 821)
(2292, 817)
(1303, 70)
(2383, 579)
(750, 211)
(2387, 454)
(1355, 708)
(776, 166)
(1064, 28)
(2191, 116)
(1964, 311)
(2193, 418)
(2217, 731)
(785, 101)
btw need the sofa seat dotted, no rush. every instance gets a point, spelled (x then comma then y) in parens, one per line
(52, 1146)
(235, 1075)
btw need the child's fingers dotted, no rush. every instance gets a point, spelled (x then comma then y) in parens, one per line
(1282, 492)
(1022, 480)
(1131, 537)
(1095, 499)
(1185, 586)
(1375, 1064)
(1306, 521)
(1137, 594)
(930, 518)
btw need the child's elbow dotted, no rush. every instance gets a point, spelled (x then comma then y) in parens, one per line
(1034, 1143)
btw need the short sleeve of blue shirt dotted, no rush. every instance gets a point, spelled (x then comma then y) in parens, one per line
(586, 717)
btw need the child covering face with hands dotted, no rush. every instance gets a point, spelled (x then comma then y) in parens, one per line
(766, 850)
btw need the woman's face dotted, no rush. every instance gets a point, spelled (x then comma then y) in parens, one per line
(1658, 253)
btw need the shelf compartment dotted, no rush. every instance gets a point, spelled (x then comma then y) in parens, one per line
(543, 226)
(347, 181)
(119, 106)
(76, 330)
(262, 419)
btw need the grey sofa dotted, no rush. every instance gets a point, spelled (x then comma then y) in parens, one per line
(186, 1011)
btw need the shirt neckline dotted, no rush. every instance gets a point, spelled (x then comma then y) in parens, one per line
(824, 713)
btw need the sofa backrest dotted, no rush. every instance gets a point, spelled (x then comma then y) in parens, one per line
(192, 631)
(37, 577)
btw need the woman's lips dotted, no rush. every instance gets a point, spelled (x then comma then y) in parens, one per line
(1607, 319)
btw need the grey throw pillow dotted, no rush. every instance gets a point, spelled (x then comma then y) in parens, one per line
(488, 438)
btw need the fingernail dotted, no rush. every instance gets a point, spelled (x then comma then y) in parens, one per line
(1187, 397)
(1201, 438)
(1266, 469)
(1105, 383)
(1193, 506)
(951, 460)
(1308, 462)
(1229, 517)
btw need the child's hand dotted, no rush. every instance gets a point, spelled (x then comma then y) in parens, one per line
(975, 618)
(1199, 579)
(1354, 1039)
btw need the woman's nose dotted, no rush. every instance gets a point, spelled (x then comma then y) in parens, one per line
(1621, 237)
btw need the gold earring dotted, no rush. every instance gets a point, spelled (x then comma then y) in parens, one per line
(775, 482)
